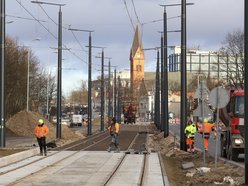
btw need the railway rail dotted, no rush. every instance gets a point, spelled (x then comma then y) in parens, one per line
(89, 156)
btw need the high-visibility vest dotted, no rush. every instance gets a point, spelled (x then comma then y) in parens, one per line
(115, 128)
(190, 131)
(41, 131)
(206, 128)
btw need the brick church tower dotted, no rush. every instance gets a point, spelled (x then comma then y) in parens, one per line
(137, 60)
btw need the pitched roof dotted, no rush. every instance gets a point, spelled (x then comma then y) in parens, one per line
(137, 43)
(143, 91)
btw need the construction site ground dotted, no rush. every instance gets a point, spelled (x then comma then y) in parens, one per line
(224, 173)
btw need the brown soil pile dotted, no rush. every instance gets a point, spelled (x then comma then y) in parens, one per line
(23, 124)
(174, 158)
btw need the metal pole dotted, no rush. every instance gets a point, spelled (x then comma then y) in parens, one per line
(109, 95)
(165, 86)
(89, 90)
(115, 93)
(157, 98)
(2, 97)
(119, 100)
(203, 125)
(58, 131)
(246, 90)
(102, 93)
(183, 77)
(28, 79)
(48, 86)
(162, 85)
(217, 115)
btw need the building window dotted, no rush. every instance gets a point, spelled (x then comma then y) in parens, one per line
(138, 68)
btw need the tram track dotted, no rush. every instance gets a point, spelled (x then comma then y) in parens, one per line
(136, 139)
(114, 174)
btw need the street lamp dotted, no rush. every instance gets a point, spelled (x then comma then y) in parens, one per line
(59, 86)
(28, 73)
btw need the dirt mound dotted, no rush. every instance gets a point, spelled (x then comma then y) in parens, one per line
(23, 124)
(173, 157)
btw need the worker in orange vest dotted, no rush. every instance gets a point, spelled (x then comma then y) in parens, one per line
(40, 131)
(206, 128)
(114, 130)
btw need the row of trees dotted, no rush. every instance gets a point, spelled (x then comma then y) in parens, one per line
(42, 85)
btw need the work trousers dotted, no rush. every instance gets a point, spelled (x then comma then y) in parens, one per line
(114, 141)
(190, 144)
(42, 144)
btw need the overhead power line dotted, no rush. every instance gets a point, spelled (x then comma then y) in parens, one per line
(55, 37)
(136, 13)
(130, 18)
(65, 28)
(19, 17)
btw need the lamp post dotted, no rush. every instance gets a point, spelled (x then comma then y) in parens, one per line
(59, 84)
(28, 73)
(2, 61)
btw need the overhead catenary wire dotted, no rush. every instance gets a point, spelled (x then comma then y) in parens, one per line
(63, 28)
(154, 21)
(137, 17)
(130, 18)
(55, 37)
(19, 17)
(78, 42)
(83, 49)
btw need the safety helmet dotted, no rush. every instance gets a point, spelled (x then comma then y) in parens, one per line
(205, 120)
(41, 121)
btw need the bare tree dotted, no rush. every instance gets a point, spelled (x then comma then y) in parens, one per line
(232, 53)
(80, 96)
(16, 73)
(174, 87)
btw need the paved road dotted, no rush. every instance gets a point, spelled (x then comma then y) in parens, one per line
(175, 128)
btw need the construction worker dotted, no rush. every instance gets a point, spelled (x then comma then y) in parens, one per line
(40, 131)
(114, 130)
(190, 131)
(206, 128)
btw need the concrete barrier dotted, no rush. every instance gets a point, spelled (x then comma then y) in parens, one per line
(18, 156)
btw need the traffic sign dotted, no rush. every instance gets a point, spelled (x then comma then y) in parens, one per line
(203, 111)
(202, 91)
(219, 97)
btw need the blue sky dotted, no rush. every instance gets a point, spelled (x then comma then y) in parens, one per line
(208, 22)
